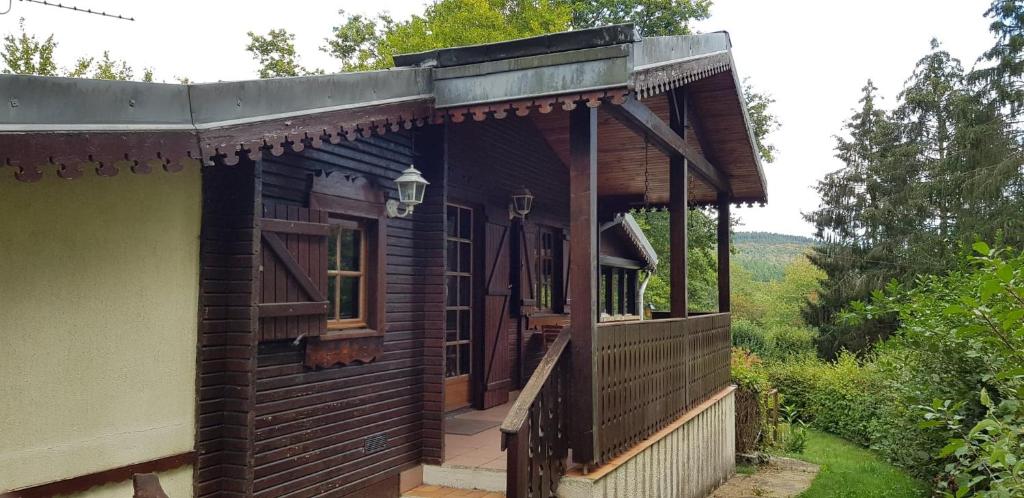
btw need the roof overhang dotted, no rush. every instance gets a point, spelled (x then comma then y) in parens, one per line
(637, 236)
(61, 122)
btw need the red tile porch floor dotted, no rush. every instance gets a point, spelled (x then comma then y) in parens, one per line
(482, 450)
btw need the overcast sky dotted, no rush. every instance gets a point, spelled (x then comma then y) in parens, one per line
(812, 56)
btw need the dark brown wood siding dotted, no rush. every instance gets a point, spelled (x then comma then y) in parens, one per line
(227, 330)
(340, 430)
(489, 160)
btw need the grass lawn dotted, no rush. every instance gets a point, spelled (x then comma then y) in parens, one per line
(849, 470)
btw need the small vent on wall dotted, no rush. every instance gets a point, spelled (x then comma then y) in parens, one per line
(375, 443)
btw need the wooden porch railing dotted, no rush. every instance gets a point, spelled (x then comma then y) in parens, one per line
(651, 372)
(534, 433)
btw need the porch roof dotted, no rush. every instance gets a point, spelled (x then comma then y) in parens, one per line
(62, 124)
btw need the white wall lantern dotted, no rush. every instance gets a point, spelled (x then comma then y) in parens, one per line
(522, 203)
(411, 187)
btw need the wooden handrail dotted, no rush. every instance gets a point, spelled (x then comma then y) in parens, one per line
(520, 409)
(535, 431)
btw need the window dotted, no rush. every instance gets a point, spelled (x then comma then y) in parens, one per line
(458, 300)
(546, 271)
(618, 292)
(346, 275)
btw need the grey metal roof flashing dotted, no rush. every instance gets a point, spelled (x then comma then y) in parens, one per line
(227, 117)
(559, 63)
(525, 47)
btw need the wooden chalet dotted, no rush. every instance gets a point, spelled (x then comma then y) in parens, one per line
(244, 288)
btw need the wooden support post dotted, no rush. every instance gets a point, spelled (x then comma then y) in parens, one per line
(583, 287)
(724, 300)
(678, 185)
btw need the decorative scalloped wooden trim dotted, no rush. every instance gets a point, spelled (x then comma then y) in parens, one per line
(69, 155)
(654, 80)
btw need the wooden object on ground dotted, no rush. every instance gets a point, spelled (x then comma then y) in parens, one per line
(147, 486)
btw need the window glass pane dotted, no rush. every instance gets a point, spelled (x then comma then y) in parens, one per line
(349, 297)
(453, 290)
(350, 249)
(465, 223)
(451, 361)
(451, 325)
(453, 221)
(332, 298)
(332, 248)
(615, 293)
(465, 260)
(464, 288)
(463, 359)
(464, 324)
(453, 256)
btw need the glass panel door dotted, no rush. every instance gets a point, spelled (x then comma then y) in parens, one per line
(458, 306)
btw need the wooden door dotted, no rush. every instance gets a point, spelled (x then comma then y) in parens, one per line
(458, 344)
(496, 379)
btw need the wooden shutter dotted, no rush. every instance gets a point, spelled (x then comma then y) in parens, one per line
(496, 377)
(528, 268)
(293, 274)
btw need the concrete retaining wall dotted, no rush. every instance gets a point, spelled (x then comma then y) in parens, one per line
(687, 459)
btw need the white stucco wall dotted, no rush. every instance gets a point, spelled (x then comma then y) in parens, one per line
(98, 318)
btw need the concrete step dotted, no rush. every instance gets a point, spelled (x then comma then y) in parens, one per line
(464, 477)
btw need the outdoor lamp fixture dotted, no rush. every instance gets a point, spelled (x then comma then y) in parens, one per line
(411, 186)
(522, 203)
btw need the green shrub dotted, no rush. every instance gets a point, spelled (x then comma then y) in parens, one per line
(774, 342)
(834, 397)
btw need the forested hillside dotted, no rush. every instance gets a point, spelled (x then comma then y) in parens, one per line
(765, 255)
(911, 330)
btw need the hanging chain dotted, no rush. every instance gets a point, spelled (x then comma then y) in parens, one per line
(647, 177)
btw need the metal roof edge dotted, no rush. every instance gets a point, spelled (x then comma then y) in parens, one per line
(750, 129)
(54, 104)
(614, 34)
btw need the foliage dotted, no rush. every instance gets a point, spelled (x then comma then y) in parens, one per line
(702, 269)
(765, 255)
(937, 171)
(778, 302)
(851, 471)
(1005, 78)
(26, 54)
(749, 376)
(762, 121)
(774, 342)
(362, 43)
(651, 17)
(963, 335)
(275, 53)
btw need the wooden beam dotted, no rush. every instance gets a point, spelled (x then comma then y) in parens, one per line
(724, 298)
(583, 255)
(678, 186)
(642, 120)
(85, 482)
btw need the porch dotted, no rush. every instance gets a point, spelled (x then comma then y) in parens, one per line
(663, 385)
